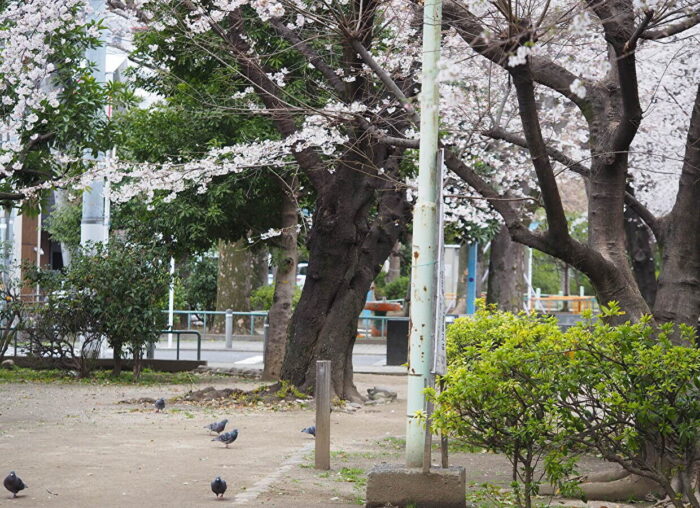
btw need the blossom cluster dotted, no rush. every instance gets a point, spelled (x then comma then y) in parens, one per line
(30, 32)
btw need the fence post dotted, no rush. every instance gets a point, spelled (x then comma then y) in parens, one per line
(229, 328)
(323, 415)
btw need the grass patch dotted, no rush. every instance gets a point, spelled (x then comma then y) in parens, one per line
(100, 377)
(393, 443)
(353, 475)
(453, 445)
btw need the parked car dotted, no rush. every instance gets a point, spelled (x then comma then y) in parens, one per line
(301, 275)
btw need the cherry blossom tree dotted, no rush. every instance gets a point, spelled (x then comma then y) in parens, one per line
(536, 98)
(51, 106)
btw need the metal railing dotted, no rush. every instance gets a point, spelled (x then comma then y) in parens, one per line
(204, 320)
(560, 303)
(185, 332)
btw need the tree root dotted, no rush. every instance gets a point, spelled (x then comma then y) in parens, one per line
(613, 485)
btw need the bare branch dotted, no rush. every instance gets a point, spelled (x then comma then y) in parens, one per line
(311, 55)
(577, 167)
(525, 90)
(128, 6)
(674, 29)
(544, 71)
(389, 83)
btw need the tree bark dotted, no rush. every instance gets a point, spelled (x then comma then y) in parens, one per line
(285, 285)
(117, 358)
(506, 280)
(641, 254)
(234, 283)
(678, 296)
(346, 251)
(394, 263)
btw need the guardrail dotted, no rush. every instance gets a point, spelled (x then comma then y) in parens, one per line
(560, 303)
(203, 319)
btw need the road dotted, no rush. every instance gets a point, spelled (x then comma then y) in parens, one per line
(249, 354)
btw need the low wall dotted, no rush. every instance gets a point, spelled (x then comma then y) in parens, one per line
(108, 363)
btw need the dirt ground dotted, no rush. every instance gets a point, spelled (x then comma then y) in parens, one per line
(74, 445)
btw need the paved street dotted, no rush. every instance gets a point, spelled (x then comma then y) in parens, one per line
(249, 354)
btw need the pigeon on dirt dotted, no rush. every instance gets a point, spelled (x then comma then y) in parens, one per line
(310, 430)
(218, 487)
(227, 437)
(217, 427)
(14, 483)
(160, 405)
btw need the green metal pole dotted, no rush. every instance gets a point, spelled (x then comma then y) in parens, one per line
(425, 254)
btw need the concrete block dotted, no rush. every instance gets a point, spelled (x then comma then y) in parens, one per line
(398, 485)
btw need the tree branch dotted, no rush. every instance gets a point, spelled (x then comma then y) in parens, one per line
(674, 29)
(644, 213)
(617, 27)
(128, 5)
(544, 70)
(388, 82)
(312, 56)
(268, 92)
(525, 91)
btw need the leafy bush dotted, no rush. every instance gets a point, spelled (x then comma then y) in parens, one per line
(117, 289)
(397, 289)
(394, 290)
(65, 328)
(497, 394)
(261, 298)
(518, 385)
(632, 393)
(199, 284)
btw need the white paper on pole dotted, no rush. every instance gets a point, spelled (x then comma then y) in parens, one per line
(439, 346)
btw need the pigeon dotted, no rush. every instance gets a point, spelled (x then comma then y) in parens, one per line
(217, 427)
(310, 430)
(160, 405)
(218, 487)
(14, 483)
(227, 437)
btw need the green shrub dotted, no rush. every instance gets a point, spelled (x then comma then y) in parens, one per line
(261, 298)
(498, 394)
(397, 289)
(518, 385)
(118, 289)
(632, 394)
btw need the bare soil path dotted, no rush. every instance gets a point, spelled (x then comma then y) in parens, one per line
(76, 446)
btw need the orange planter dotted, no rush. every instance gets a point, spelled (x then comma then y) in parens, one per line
(380, 306)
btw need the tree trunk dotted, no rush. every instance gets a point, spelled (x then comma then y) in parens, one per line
(260, 267)
(234, 283)
(117, 357)
(346, 252)
(506, 281)
(394, 263)
(678, 296)
(138, 363)
(641, 254)
(285, 285)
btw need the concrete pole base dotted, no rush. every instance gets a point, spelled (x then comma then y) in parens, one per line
(398, 485)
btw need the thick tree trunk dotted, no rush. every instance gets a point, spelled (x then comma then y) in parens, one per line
(394, 263)
(234, 283)
(641, 254)
(346, 252)
(506, 281)
(678, 296)
(285, 285)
